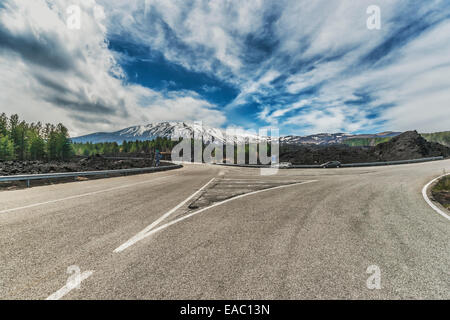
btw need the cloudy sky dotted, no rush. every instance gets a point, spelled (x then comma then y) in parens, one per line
(305, 66)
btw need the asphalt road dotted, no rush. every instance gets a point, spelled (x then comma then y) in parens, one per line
(300, 234)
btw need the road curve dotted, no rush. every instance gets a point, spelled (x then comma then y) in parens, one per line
(300, 241)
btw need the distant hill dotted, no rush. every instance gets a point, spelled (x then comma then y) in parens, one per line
(365, 142)
(210, 134)
(167, 130)
(408, 145)
(439, 137)
(337, 138)
(186, 129)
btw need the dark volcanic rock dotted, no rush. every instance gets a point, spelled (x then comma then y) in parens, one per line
(442, 197)
(313, 154)
(408, 145)
(75, 165)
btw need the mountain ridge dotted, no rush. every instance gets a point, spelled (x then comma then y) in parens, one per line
(163, 130)
(210, 134)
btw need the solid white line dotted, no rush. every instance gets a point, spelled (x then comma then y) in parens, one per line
(256, 180)
(143, 235)
(66, 289)
(430, 203)
(83, 195)
(243, 181)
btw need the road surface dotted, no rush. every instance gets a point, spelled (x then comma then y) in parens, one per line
(209, 232)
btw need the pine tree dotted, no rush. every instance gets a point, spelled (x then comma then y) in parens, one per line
(3, 125)
(7, 151)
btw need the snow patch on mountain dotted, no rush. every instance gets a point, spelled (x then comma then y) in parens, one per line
(176, 130)
(170, 130)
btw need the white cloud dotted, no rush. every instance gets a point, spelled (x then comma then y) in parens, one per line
(273, 115)
(323, 44)
(51, 73)
(332, 119)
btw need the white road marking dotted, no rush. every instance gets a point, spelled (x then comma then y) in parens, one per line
(142, 235)
(255, 180)
(83, 195)
(244, 181)
(430, 203)
(67, 288)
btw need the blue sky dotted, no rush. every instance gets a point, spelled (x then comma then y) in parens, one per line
(303, 66)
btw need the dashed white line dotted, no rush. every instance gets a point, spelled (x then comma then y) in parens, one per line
(83, 195)
(148, 231)
(67, 288)
(430, 203)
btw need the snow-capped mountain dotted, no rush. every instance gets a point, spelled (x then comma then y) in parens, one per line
(318, 139)
(333, 138)
(167, 130)
(211, 135)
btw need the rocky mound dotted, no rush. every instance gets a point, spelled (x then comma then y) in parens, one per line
(408, 145)
(85, 164)
(313, 154)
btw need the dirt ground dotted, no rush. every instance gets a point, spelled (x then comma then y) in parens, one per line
(441, 192)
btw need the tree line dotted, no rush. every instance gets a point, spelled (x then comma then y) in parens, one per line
(127, 147)
(20, 140)
(149, 147)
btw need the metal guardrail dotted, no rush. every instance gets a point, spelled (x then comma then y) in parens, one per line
(30, 177)
(389, 163)
(242, 165)
(127, 158)
(268, 166)
(303, 166)
(348, 165)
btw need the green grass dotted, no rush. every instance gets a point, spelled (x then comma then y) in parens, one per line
(363, 142)
(439, 137)
(443, 185)
(441, 191)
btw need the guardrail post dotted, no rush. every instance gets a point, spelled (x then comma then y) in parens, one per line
(28, 183)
